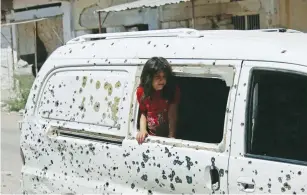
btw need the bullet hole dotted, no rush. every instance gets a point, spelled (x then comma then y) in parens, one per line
(145, 157)
(84, 80)
(283, 51)
(97, 106)
(287, 186)
(158, 165)
(249, 162)
(256, 172)
(175, 162)
(117, 84)
(98, 84)
(178, 180)
(279, 179)
(294, 192)
(132, 186)
(144, 177)
(189, 163)
(299, 173)
(303, 189)
(189, 179)
(172, 175)
(172, 186)
(80, 90)
(261, 188)
(242, 124)
(77, 78)
(38, 140)
(269, 185)
(221, 172)
(283, 189)
(51, 162)
(193, 190)
(288, 177)
(56, 103)
(154, 45)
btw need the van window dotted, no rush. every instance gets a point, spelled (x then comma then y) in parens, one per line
(277, 112)
(202, 108)
(95, 97)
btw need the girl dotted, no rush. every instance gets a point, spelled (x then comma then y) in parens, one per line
(158, 98)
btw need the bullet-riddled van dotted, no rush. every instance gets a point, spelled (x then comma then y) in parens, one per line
(241, 117)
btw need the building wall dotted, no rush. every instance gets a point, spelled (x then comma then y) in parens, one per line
(6, 59)
(209, 14)
(85, 18)
(217, 15)
(50, 31)
(293, 14)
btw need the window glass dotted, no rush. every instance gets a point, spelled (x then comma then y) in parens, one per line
(277, 115)
(88, 97)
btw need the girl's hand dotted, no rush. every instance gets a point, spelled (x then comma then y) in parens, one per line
(140, 137)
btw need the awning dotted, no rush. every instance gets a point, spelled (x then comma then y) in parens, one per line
(140, 4)
(23, 22)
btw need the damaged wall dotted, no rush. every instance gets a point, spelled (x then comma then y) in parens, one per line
(208, 14)
(85, 18)
(50, 31)
(293, 14)
(216, 15)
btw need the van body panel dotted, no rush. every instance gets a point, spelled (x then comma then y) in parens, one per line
(268, 174)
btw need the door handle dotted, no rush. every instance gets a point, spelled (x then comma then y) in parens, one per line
(215, 176)
(246, 184)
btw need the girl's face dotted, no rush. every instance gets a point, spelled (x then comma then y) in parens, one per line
(159, 81)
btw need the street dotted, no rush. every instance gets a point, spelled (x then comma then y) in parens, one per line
(10, 158)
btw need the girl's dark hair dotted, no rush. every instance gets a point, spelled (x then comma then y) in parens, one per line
(152, 67)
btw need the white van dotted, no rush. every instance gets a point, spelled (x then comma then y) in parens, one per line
(242, 124)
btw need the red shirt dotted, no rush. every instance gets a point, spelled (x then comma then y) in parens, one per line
(156, 110)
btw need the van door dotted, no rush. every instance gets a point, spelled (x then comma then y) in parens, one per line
(75, 123)
(197, 160)
(268, 153)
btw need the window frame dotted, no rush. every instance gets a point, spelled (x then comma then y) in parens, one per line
(216, 147)
(248, 116)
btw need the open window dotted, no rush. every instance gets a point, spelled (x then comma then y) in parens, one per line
(203, 103)
(277, 112)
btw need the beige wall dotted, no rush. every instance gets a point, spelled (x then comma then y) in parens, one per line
(218, 15)
(82, 6)
(28, 3)
(293, 14)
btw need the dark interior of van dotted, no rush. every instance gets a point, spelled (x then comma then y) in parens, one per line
(280, 121)
(202, 108)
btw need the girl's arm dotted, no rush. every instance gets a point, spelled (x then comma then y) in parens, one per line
(172, 115)
(143, 123)
(140, 137)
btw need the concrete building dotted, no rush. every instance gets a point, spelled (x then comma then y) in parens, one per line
(293, 14)
(57, 21)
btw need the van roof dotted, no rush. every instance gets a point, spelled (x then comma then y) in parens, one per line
(189, 44)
